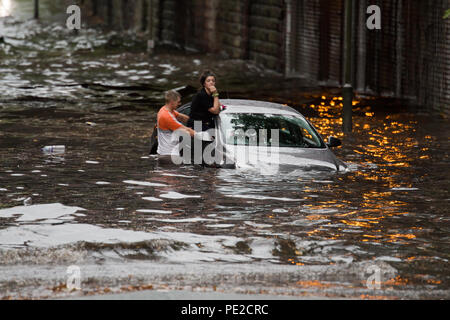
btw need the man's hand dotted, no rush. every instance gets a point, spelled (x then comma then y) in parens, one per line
(188, 130)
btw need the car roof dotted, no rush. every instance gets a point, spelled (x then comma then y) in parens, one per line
(253, 106)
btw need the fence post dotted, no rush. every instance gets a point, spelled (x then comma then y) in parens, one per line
(347, 92)
(36, 9)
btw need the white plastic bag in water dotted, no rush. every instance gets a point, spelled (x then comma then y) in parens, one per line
(54, 149)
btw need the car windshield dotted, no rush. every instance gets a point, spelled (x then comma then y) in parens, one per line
(256, 129)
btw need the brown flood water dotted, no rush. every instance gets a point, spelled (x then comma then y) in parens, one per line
(129, 223)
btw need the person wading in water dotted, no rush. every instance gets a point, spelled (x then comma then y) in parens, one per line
(205, 104)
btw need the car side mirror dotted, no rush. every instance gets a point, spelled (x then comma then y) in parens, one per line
(334, 142)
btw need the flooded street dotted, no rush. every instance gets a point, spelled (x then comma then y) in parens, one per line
(129, 223)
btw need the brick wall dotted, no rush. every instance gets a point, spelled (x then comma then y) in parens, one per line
(315, 40)
(431, 58)
(407, 58)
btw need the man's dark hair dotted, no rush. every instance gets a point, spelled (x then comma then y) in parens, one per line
(206, 74)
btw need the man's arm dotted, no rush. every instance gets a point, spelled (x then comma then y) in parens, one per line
(170, 122)
(182, 118)
(188, 130)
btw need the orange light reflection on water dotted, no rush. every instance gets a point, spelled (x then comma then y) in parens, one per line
(391, 146)
(314, 283)
(385, 135)
(374, 208)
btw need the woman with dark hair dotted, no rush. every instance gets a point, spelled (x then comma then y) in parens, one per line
(205, 104)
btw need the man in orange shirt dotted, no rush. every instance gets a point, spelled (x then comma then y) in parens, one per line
(169, 120)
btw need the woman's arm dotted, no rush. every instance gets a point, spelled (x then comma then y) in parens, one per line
(216, 107)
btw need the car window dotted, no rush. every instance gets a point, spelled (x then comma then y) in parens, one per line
(255, 128)
(185, 109)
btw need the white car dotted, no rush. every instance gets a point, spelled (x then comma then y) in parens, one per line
(243, 137)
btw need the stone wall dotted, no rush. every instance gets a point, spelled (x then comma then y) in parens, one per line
(189, 24)
(408, 57)
(252, 30)
(168, 21)
(232, 28)
(135, 15)
(245, 29)
(266, 27)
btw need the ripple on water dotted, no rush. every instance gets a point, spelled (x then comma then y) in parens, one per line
(152, 199)
(154, 211)
(176, 195)
(259, 197)
(102, 183)
(144, 183)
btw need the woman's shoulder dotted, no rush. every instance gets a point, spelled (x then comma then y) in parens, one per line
(202, 92)
(200, 95)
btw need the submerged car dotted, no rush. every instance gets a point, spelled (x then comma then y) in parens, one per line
(272, 133)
